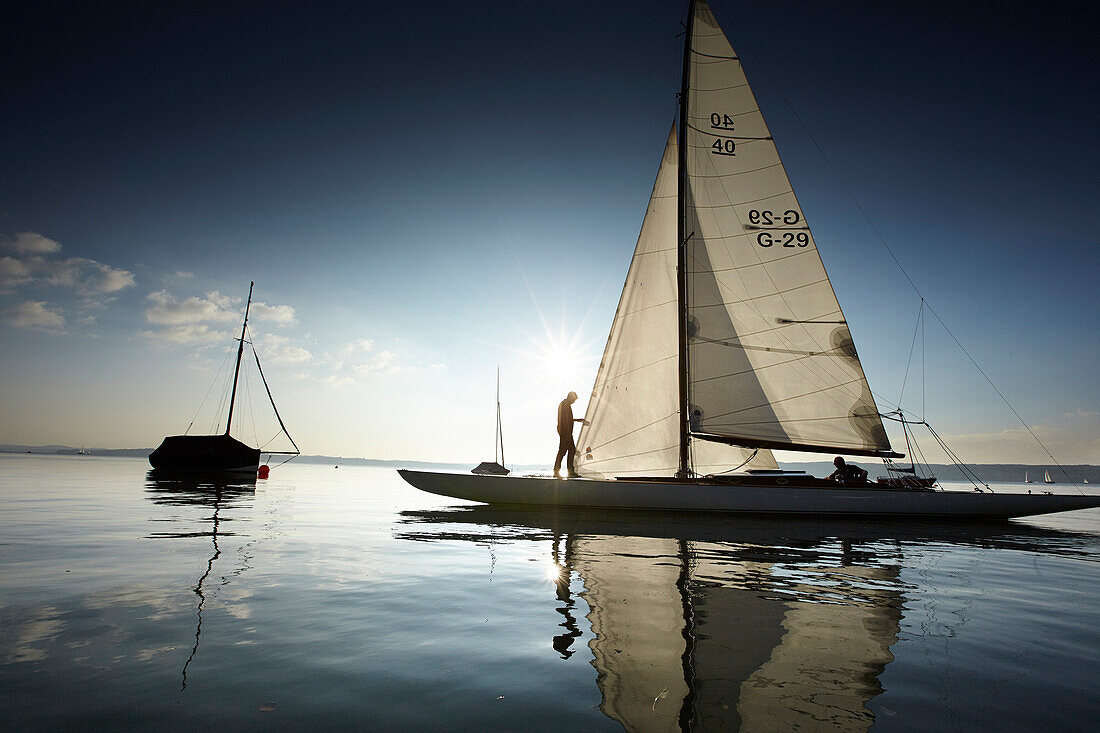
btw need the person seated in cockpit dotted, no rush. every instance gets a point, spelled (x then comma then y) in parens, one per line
(847, 471)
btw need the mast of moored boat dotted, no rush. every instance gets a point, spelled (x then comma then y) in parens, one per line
(681, 246)
(240, 353)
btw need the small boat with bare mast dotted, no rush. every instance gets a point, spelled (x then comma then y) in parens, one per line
(219, 453)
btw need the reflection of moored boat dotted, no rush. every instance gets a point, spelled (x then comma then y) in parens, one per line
(214, 491)
(202, 453)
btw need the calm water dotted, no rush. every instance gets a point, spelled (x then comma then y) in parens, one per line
(344, 599)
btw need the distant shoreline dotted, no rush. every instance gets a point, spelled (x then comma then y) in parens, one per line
(994, 472)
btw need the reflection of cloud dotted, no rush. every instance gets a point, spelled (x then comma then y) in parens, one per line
(42, 627)
(34, 314)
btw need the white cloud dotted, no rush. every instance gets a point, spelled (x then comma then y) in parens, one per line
(1076, 441)
(281, 314)
(183, 274)
(30, 243)
(278, 349)
(168, 311)
(188, 334)
(382, 361)
(33, 264)
(336, 380)
(34, 314)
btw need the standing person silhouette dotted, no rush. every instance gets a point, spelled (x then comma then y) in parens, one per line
(565, 436)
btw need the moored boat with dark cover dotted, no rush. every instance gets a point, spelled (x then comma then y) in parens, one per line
(218, 453)
(204, 453)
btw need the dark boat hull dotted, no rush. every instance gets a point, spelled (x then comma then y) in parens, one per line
(751, 495)
(204, 454)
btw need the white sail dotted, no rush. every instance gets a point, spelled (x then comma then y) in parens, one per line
(633, 413)
(770, 359)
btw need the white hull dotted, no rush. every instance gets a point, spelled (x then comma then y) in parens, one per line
(690, 496)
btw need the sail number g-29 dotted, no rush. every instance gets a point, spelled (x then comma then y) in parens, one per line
(785, 239)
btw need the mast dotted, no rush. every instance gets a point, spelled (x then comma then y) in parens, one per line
(681, 245)
(499, 437)
(240, 353)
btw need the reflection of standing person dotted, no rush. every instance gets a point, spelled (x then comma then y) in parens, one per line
(565, 435)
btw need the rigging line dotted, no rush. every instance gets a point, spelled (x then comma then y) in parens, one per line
(207, 395)
(273, 407)
(912, 346)
(999, 394)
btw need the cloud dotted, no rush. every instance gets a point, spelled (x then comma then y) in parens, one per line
(281, 314)
(33, 264)
(35, 314)
(30, 243)
(382, 361)
(168, 311)
(1071, 442)
(188, 334)
(278, 349)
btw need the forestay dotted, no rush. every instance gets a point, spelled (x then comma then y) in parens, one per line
(633, 412)
(770, 359)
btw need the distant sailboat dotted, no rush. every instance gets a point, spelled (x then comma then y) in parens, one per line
(82, 452)
(1046, 478)
(1026, 479)
(203, 453)
(728, 342)
(496, 468)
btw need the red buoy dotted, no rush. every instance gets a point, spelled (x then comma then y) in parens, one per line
(264, 470)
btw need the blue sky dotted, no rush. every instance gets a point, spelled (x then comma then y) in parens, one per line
(422, 194)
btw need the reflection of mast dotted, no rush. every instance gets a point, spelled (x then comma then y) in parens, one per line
(198, 589)
(563, 642)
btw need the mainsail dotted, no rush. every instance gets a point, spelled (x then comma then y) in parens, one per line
(633, 415)
(770, 359)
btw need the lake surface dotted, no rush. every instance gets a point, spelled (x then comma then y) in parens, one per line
(344, 599)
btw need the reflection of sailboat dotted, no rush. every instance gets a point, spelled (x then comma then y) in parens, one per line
(189, 453)
(728, 342)
(496, 468)
(215, 494)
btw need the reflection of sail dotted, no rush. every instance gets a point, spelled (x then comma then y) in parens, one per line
(637, 616)
(217, 493)
(691, 636)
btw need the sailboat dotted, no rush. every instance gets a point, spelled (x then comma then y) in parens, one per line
(728, 342)
(1046, 478)
(217, 453)
(496, 468)
(1026, 479)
